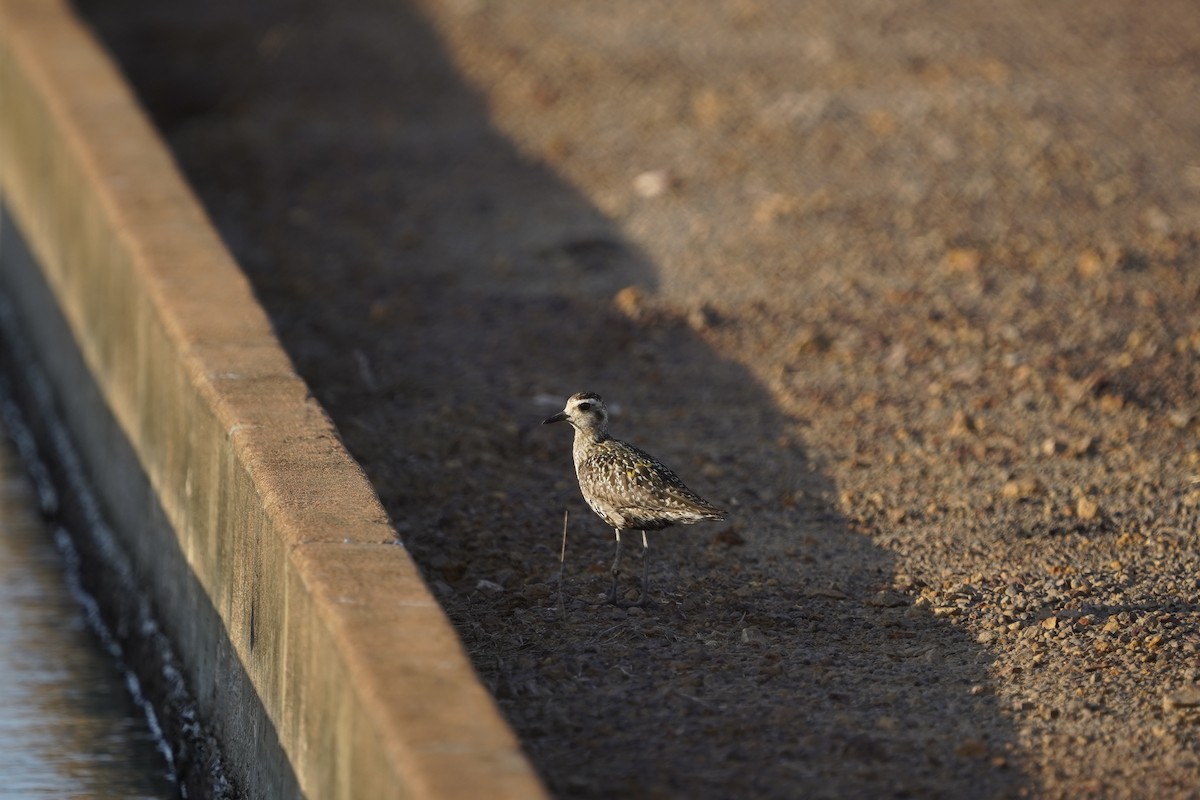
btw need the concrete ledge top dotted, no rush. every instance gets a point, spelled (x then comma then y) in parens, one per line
(242, 460)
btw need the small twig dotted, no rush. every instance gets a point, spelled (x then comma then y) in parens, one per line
(704, 703)
(562, 557)
(617, 627)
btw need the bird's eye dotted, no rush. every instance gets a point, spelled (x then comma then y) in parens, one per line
(585, 406)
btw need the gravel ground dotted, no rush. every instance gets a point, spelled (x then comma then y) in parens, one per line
(911, 287)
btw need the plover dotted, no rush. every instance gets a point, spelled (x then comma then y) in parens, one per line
(626, 487)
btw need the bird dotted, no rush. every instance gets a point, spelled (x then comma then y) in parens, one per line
(627, 487)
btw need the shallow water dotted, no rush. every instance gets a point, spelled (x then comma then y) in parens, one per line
(69, 727)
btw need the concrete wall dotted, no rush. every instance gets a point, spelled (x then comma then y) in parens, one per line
(309, 639)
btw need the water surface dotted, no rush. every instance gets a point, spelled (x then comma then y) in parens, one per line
(69, 726)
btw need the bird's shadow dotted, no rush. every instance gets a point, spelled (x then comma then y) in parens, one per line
(441, 292)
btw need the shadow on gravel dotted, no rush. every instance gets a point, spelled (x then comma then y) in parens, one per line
(442, 293)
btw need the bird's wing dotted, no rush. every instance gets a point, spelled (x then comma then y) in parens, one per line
(630, 479)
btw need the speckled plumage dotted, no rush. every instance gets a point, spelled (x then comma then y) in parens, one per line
(627, 488)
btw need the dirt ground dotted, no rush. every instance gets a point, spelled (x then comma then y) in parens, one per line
(913, 288)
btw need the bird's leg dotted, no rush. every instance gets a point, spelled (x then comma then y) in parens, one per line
(616, 567)
(645, 598)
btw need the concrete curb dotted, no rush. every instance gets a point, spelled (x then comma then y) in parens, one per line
(356, 672)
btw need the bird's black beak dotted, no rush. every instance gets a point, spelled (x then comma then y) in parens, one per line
(559, 417)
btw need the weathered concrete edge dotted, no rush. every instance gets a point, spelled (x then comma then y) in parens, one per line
(358, 670)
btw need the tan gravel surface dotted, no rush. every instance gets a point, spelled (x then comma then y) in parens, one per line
(913, 288)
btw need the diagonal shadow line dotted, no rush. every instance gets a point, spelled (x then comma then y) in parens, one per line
(434, 286)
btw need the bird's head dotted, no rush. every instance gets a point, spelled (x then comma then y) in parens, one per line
(586, 412)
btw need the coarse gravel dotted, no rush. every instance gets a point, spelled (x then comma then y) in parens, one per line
(913, 288)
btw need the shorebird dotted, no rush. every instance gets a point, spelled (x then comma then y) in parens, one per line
(627, 488)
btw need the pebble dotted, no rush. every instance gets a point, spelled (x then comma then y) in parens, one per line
(887, 599)
(652, 183)
(831, 592)
(1187, 697)
(972, 748)
(1020, 488)
(1087, 509)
